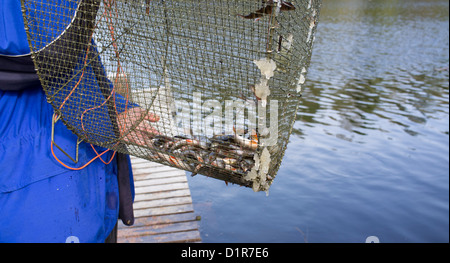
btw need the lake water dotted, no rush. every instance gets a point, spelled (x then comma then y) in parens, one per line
(369, 154)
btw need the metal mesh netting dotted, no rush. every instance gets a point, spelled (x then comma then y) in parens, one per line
(223, 78)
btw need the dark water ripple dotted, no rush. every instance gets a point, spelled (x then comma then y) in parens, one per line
(369, 154)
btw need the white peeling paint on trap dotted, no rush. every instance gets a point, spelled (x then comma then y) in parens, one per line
(267, 67)
(301, 80)
(259, 173)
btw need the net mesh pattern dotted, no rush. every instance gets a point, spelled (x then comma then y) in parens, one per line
(217, 81)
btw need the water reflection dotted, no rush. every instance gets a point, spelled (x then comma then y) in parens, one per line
(369, 153)
(375, 61)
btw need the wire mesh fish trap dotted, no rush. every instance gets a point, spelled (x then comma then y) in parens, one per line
(224, 78)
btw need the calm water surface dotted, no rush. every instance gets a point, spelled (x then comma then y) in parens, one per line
(369, 155)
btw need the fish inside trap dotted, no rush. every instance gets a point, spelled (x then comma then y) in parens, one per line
(124, 75)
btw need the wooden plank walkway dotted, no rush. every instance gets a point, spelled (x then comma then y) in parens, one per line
(163, 207)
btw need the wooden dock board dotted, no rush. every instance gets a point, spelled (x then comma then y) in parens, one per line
(163, 207)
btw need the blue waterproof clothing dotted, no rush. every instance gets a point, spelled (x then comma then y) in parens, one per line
(40, 200)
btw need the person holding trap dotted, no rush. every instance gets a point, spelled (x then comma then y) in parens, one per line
(53, 187)
(187, 83)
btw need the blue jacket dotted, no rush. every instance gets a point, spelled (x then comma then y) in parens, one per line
(40, 200)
